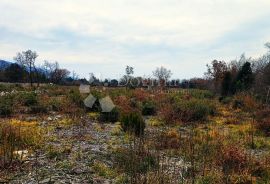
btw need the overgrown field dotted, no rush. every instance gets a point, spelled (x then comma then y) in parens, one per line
(48, 135)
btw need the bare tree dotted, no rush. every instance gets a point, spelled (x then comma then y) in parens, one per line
(215, 72)
(50, 69)
(54, 72)
(27, 60)
(60, 74)
(162, 74)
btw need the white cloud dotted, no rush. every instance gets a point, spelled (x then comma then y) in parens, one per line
(123, 24)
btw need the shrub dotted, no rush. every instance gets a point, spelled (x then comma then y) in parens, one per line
(169, 140)
(133, 123)
(263, 121)
(167, 114)
(38, 109)
(135, 161)
(112, 116)
(29, 98)
(6, 105)
(194, 109)
(233, 159)
(201, 94)
(244, 101)
(148, 108)
(124, 104)
(56, 104)
(140, 95)
(75, 97)
(17, 135)
(225, 100)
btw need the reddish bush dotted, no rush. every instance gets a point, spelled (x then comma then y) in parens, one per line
(124, 104)
(263, 121)
(167, 113)
(141, 95)
(233, 159)
(169, 140)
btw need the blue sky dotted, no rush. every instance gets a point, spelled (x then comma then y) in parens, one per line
(104, 36)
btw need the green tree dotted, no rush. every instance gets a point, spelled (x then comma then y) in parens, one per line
(226, 84)
(244, 78)
(14, 73)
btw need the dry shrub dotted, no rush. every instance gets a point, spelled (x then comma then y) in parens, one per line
(141, 95)
(169, 140)
(263, 121)
(245, 102)
(167, 113)
(15, 136)
(123, 103)
(233, 159)
(231, 121)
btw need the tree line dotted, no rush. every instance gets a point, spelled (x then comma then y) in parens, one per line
(245, 74)
(25, 70)
(225, 78)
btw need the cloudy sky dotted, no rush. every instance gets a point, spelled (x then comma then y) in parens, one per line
(103, 36)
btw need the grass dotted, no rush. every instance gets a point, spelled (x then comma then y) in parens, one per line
(191, 135)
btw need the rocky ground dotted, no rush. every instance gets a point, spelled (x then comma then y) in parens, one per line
(69, 154)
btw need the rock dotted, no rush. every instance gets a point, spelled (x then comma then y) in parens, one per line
(47, 180)
(31, 119)
(49, 118)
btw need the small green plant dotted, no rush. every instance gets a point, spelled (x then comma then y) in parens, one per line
(194, 109)
(39, 108)
(29, 98)
(75, 97)
(133, 123)
(225, 100)
(148, 108)
(112, 116)
(6, 105)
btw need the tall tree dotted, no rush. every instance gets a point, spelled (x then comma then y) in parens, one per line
(215, 72)
(244, 78)
(162, 74)
(226, 83)
(27, 60)
(14, 73)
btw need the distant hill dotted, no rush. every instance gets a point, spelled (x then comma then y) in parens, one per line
(4, 64)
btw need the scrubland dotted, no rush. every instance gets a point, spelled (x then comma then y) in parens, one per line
(47, 135)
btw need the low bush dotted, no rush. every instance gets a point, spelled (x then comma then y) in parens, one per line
(169, 140)
(112, 116)
(194, 109)
(123, 103)
(75, 97)
(56, 104)
(15, 136)
(225, 100)
(233, 159)
(263, 121)
(148, 108)
(135, 161)
(6, 105)
(39, 108)
(201, 94)
(28, 98)
(133, 123)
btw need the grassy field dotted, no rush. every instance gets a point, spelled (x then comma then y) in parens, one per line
(48, 135)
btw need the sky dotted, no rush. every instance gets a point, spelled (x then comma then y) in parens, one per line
(103, 36)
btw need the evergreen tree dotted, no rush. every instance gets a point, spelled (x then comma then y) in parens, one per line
(226, 84)
(15, 73)
(244, 78)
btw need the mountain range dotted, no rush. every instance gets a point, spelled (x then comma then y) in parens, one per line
(4, 64)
